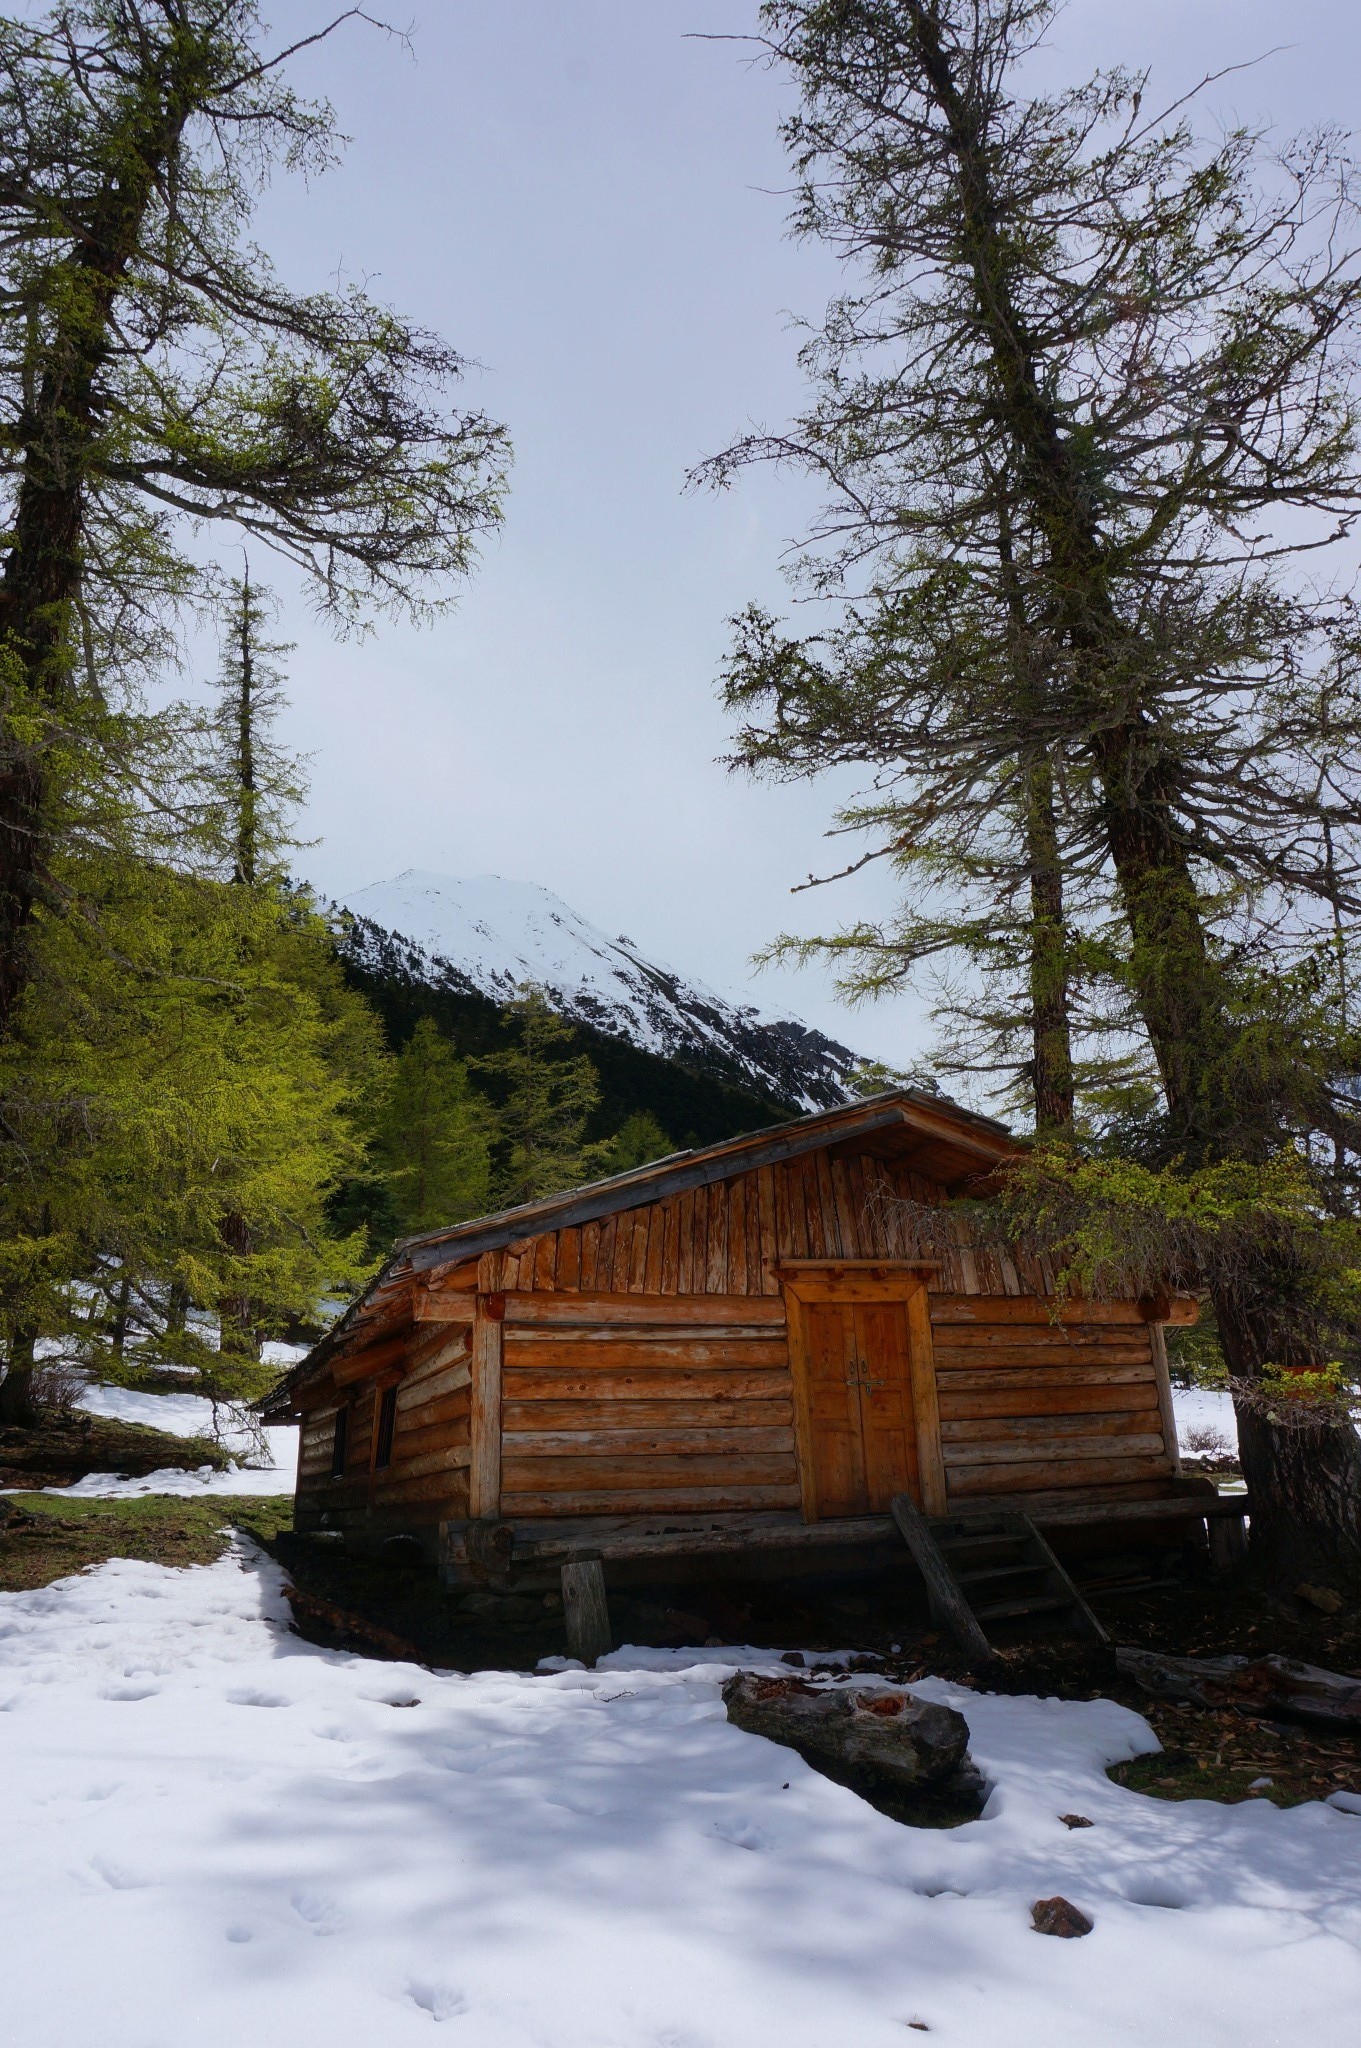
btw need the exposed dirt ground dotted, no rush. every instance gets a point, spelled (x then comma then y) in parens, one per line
(61, 1448)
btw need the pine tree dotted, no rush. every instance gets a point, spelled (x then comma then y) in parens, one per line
(155, 373)
(639, 1140)
(1098, 370)
(432, 1138)
(545, 1100)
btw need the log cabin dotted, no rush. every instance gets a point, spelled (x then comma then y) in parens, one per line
(755, 1346)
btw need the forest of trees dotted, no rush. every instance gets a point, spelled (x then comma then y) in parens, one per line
(205, 1132)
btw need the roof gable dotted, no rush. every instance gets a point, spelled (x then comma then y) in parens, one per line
(939, 1138)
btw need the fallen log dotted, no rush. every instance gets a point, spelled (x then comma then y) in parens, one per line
(339, 1621)
(1263, 1685)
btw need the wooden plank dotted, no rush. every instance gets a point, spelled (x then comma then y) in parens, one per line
(737, 1281)
(975, 1477)
(997, 1308)
(622, 1386)
(1001, 1360)
(948, 1603)
(642, 1231)
(590, 1256)
(738, 1350)
(1002, 1347)
(604, 1261)
(546, 1262)
(799, 1367)
(847, 1222)
(436, 1390)
(660, 1442)
(563, 1472)
(452, 1458)
(716, 1412)
(1050, 1449)
(642, 1535)
(433, 1360)
(854, 1280)
(826, 1208)
(930, 1463)
(485, 1414)
(716, 1267)
(626, 1229)
(568, 1271)
(447, 1487)
(650, 1500)
(685, 1248)
(670, 1246)
(958, 1383)
(767, 1249)
(589, 1309)
(1052, 1429)
(430, 1307)
(350, 1368)
(1163, 1382)
(1048, 1402)
(446, 1422)
(656, 1237)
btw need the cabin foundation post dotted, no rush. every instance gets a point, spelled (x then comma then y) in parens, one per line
(1228, 1542)
(585, 1609)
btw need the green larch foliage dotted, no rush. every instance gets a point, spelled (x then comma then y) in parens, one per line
(432, 1137)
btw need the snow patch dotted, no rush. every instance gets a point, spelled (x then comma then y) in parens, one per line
(595, 1859)
(495, 935)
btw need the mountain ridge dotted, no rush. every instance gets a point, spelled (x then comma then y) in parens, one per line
(485, 936)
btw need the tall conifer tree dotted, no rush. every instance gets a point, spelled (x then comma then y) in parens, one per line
(1094, 371)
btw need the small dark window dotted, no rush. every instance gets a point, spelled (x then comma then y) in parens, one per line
(387, 1423)
(340, 1443)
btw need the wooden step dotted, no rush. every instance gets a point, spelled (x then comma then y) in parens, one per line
(987, 1575)
(935, 1543)
(1010, 1610)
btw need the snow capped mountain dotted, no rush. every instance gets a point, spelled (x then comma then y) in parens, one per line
(495, 936)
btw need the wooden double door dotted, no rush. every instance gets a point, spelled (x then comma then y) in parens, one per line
(865, 1389)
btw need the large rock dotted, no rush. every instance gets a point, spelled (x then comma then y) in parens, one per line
(860, 1735)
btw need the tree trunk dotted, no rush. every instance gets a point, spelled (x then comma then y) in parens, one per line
(43, 561)
(1050, 1023)
(1304, 1482)
(1306, 1485)
(18, 1408)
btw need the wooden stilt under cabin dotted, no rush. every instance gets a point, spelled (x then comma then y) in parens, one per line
(756, 1347)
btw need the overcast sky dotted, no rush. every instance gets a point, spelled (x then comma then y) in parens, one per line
(588, 200)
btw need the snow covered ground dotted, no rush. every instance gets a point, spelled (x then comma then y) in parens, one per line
(184, 1415)
(1201, 1408)
(218, 1834)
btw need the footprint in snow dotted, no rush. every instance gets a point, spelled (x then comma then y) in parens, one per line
(742, 1832)
(132, 1691)
(318, 1911)
(116, 1875)
(248, 1696)
(442, 2001)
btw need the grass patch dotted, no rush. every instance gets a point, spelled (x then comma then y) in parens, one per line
(1213, 1755)
(46, 1538)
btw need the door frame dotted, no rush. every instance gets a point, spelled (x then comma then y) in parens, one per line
(803, 1281)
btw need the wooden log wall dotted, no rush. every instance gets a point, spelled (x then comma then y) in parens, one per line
(616, 1407)
(427, 1477)
(1028, 1405)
